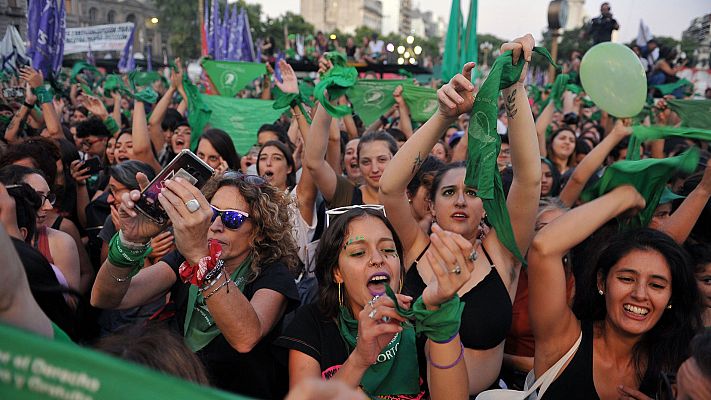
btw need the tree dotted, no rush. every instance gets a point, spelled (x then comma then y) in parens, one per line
(180, 19)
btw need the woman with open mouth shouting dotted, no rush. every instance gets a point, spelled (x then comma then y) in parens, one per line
(231, 277)
(455, 206)
(361, 332)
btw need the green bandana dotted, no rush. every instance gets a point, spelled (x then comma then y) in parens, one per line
(230, 77)
(396, 370)
(668, 88)
(337, 81)
(641, 133)
(559, 87)
(113, 83)
(438, 325)
(80, 66)
(144, 78)
(422, 101)
(35, 367)
(695, 113)
(648, 176)
(200, 327)
(283, 100)
(372, 98)
(485, 144)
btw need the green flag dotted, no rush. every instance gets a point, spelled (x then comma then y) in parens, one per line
(668, 88)
(240, 118)
(452, 45)
(34, 367)
(144, 78)
(230, 77)
(372, 98)
(693, 113)
(641, 133)
(422, 101)
(470, 48)
(648, 176)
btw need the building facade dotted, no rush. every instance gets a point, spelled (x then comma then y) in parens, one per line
(576, 14)
(699, 31)
(424, 24)
(13, 12)
(397, 17)
(344, 15)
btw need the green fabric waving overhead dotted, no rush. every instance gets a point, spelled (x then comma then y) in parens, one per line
(641, 133)
(144, 78)
(34, 368)
(113, 83)
(559, 87)
(648, 176)
(372, 98)
(694, 113)
(240, 118)
(336, 81)
(485, 144)
(80, 66)
(668, 88)
(229, 77)
(422, 101)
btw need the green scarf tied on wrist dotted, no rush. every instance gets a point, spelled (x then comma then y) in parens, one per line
(485, 144)
(337, 81)
(438, 325)
(648, 176)
(396, 370)
(283, 100)
(44, 94)
(199, 327)
(641, 133)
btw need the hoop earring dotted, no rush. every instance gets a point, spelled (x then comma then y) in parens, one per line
(340, 295)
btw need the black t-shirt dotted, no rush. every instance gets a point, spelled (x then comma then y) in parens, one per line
(318, 337)
(257, 373)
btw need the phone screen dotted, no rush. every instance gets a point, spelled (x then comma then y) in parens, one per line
(185, 165)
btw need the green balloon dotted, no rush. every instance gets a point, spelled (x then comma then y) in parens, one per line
(614, 78)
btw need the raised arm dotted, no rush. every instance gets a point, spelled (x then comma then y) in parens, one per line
(592, 161)
(154, 123)
(34, 79)
(404, 112)
(554, 325)
(545, 118)
(13, 128)
(142, 150)
(333, 152)
(455, 98)
(315, 154)
(525, 191)
(682, 221)
(116, 111)
(348, 121)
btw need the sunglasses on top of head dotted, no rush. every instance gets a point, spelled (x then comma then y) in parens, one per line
(231, 219)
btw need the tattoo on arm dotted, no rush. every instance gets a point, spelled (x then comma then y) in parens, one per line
(511, 109)
(416, 164)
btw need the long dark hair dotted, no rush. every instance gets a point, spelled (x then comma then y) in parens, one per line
(549, 145)
(224, 146)
(291, 176)
(664, 347)
(437, 180)
(330, 247)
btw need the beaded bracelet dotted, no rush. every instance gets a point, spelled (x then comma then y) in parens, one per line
(225, 283)
(452, 365)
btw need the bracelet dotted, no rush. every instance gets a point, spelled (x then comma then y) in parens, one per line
(446, 341)
(28, 105)
(132, 245)
(121, 280)
(212, 276)
(452, 365)
(225, 283)
(125, 257)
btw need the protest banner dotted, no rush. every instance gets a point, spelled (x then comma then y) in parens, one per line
(101, 37)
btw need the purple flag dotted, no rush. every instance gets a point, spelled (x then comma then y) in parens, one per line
(206, 27)
(239, 38)
(46, 42)
(214, 28)
(60, 32)
(224, 34)
(127, 63)
(232, 41)
(247, 44)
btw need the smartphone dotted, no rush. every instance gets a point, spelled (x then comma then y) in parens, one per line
(185, 165)
(94, 165)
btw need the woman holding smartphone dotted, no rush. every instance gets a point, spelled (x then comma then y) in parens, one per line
(230, 277)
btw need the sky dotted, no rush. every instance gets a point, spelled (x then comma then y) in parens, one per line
(512, 18)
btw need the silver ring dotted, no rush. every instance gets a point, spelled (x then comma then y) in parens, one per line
(473, 255)
(372, 301)
(372, 314)
(385, 319)
(456, 270)
(192, 205)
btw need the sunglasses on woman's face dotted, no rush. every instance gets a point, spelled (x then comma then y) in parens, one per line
(255, 180)
(231, 219)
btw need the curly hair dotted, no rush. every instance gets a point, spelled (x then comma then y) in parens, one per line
(272, 239)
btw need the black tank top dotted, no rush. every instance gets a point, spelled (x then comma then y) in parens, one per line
(487, 307)
(577, 378)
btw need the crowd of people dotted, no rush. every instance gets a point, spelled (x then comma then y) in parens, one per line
(364, 256)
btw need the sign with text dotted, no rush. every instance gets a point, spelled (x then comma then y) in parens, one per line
(98, 38)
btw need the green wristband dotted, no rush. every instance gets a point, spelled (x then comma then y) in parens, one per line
(44, 95)
(124, 257)
(438, 325)
(111, 125)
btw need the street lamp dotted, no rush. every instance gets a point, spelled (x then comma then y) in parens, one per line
(390, 47)
(154, 20)
(418, 50)
(400, 49)
(486, 48)
(410, 39)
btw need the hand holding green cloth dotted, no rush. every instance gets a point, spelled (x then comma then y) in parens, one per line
(485, 144)
(641, 133)
(283, 100)
(648, 176)
(438, 325)
(396, 370)
(80, 66)
(422, 101)
(372, 98)
(113, 83)
(62, 370)
(559, 87)
(336, 81)
(229, 77)
(694, 113)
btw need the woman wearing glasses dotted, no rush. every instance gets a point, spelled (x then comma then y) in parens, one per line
(488, 295)
(230, 278)
(56, 246)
